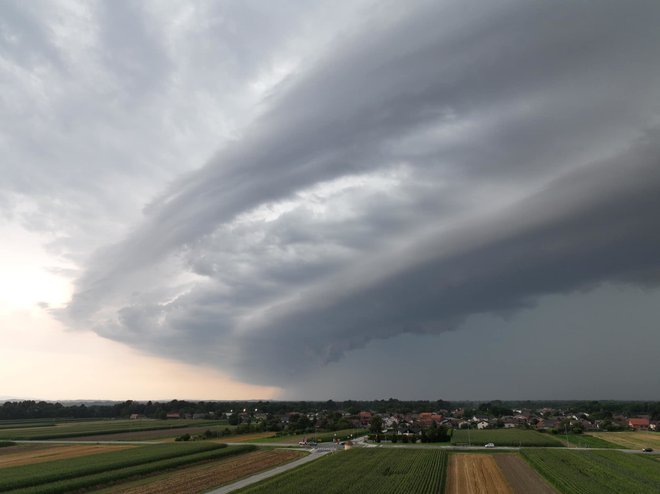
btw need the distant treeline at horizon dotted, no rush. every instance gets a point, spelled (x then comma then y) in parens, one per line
(31, 409)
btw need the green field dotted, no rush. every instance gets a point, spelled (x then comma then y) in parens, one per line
(62, 430)
(597, 472)
(372, 470)
(310, 436)
(586, 441)
(84, 472)
(503, 437)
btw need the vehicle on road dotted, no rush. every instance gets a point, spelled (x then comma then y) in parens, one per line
(489, 445)
(647, 450)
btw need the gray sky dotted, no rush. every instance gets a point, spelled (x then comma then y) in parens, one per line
(428, 199)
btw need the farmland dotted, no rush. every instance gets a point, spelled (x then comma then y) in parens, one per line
(26, 454)
(598, 472)
(248, 438)
(503, 437)
(201, 478)
(475, 473)
(521, 477)
(62, 430)
(586, 441)
(363, 470)
(631, 440)
(321, 436)
(84, 472)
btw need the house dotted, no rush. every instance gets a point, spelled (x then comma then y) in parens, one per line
(427, 418)
(547, 423)
(639, 423)
(365, 418)
(483, 424)
(173, 415)
(509, 422)
(135, 416)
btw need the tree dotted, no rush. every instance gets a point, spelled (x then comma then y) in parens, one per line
(375, 424)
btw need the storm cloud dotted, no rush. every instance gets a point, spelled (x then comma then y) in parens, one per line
(433, 162)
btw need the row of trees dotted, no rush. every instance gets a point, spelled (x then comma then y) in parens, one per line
(334, 420)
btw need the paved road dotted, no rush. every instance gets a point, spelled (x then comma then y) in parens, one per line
(267, 474)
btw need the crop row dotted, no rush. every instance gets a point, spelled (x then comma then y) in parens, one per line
(503, 437)
(372, 470)
(52, 471)
(597, 472)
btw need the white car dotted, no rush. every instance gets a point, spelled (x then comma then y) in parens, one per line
(489, 445)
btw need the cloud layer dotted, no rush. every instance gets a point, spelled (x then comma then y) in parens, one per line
(432, 162)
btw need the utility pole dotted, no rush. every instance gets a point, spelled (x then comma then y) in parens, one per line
(469, 441)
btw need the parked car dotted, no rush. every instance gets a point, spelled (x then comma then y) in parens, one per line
(489, 445)
(647, 450)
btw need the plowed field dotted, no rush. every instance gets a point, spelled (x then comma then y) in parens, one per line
(50, 453)
(475, 474)
(201, 478)
(522, 478)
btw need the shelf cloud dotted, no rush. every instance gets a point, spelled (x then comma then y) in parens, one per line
(433, 162)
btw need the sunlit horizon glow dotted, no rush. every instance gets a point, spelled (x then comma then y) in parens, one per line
(44, 361)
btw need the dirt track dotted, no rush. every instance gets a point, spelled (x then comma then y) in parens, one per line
(475, 474)
(522, 478)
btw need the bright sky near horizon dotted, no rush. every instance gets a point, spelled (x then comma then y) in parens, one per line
(312, 200)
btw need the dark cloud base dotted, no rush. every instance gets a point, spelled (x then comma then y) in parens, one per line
(446, 161)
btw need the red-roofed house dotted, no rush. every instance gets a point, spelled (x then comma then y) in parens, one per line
(364, 417)
(639, 423)
(427, 418)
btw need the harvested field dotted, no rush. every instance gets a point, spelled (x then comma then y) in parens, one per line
(247, 437)
(204, 477)
(40, 453)
(522, 478)
(631, 440)
(475, 474)
(16, 448)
